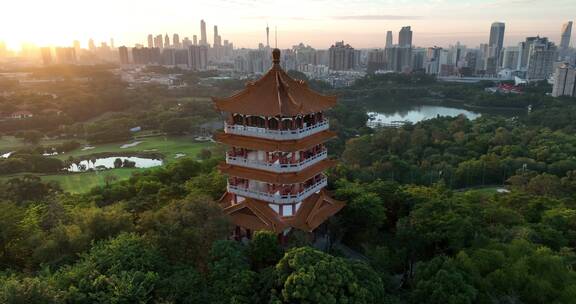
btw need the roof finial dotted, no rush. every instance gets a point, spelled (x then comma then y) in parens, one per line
(276, 56)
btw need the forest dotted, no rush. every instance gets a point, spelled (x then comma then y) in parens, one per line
(418, 227)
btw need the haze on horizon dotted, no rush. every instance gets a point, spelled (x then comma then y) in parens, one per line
(362, 23)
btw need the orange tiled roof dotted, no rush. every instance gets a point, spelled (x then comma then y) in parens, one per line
(277, 178)
(257, 215)
(275, 94)
(255, 143)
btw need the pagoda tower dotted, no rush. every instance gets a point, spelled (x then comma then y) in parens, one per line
(275, 131)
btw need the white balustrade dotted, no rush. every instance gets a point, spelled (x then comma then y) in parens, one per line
(277, 166)
(277, 198)
(276, 134)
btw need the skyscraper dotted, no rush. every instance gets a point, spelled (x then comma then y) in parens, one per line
(194, 40)
(176, 40)
(166, 41)
(158, 42)
(150, 41)
(566, 34)
(389, 39)
(76, 45)
(541, 57)
(91, 45)
(123, 54)
(267, 36)
(495, 44)
(405, 37)
(565, 40)
(564, 81)
(342, 57)
(203, 40)
(46, 55)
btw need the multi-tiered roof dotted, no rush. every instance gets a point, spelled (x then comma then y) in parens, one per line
(277, 131)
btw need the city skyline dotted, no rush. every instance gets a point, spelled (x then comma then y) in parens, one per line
(244, 22)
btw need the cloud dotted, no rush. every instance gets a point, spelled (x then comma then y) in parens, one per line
(376, 17)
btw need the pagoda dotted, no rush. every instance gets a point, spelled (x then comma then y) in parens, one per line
(275, 131)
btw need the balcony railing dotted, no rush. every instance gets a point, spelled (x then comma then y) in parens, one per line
(276, 134)
(276, 166)
(277, 198)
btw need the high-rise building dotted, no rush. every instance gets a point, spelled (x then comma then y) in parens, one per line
(158, 41)
(123, 54)
(76, 46)
(511, 57)
(342, 57)
(267, 36)
(91, 45)
(565, 40)
(564, 81)
(495, 45)
(276, 178)
(198, 57)
(389, 39)
(216, 42)
(541, 57)
(203, 38)
(194, 40)
(146, 55)
(405, 37)
(186, 42)
(46, 53)
(65, 55)
(398, 59)
(166, 41)
(112, 42)
(150, 41)
(176, 40)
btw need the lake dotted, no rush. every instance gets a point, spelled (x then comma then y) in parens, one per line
(108, 163)
(396, 116)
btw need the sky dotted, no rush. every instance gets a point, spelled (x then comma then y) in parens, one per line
(319, 23)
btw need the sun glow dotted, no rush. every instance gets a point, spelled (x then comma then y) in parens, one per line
(319, 23)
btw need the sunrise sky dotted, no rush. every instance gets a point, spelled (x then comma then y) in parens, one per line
(362, 23)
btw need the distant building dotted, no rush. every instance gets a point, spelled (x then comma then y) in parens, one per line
(198, 59)
(65, 55)
(123, 54)
(541, 57)
(176, 40)
(495, 45)
(146, 55)
(511, 57)
(399, 59)
(203, 38)
(158, 42)
(565, 38)
(150, 41)
(405, 37)
(46, 53)
(342, 57)
(167, 41)
(376, 60)
(564, 81)
(389, 39)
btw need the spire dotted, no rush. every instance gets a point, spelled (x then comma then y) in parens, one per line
(276, 56)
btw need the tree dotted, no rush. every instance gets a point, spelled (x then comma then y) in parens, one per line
(204, 154)
(305, 275)
(118, 163)
(184, 230)
(31, 137)
(264, 249)
(439, 281)
(229, 277)
(122, 270)
(176, 126)
(38, 290)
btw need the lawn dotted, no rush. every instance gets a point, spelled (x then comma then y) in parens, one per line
(168, 145)
(82, 182)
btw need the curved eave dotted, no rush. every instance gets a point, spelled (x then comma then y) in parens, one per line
(277, 178)
(256, 143)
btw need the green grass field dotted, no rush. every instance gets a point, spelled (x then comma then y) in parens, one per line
(82, 182)
(167, 145)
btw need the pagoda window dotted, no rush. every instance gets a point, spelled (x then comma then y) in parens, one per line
(238, 119)
(286, 124)
(287, 210)
(273, 123)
